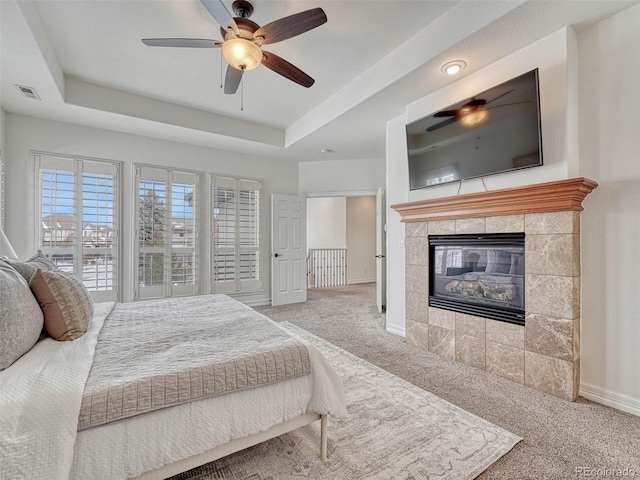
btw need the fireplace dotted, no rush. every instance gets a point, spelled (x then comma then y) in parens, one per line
(544, 352)
(480, 275)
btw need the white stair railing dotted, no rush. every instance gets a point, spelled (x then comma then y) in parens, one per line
(327, 267)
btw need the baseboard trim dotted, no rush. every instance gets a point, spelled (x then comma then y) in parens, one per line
(260, 302)
(361, 280)
(396, 330)
(615, 400)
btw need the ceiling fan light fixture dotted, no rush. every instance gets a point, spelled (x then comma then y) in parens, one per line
(453, 67)
(473, 117)
(241, 53)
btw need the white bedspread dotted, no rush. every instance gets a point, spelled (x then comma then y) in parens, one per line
(40, 401)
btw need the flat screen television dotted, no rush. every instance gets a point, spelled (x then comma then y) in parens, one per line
(494, 131)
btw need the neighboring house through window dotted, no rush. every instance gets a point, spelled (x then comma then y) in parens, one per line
(76, 210)
(167, 232)
(76, 225)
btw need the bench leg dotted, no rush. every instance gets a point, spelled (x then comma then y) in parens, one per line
(323, 438)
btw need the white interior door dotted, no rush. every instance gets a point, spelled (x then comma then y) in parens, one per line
(289, 249)
(381, 261)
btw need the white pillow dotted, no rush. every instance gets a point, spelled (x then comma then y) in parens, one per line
(29, 267)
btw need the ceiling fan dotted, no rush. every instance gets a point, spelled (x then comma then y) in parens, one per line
(472, 113)
(243, 40)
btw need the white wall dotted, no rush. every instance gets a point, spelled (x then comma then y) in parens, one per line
(25, 134)
(361, 239)
(397, 189)
(345, 222)
(555, 58)
(326, 222)
(342, 176)
(609, 60)
(358, 179)
(590, 129)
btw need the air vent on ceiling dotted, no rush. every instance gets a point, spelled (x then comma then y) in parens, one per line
(28, 92)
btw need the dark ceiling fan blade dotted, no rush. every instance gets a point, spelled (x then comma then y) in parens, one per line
(508, 104)
(446, 113)
(220, 14)
(287, 70)
(182, 42)
(232, 80)
(444, 123)
(291, 26)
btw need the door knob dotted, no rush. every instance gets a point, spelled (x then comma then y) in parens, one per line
(277, 255)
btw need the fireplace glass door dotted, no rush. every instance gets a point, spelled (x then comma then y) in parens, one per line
(480, 275)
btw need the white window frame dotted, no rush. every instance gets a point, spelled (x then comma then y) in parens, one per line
(80, 165)
(168, 288)
(234, 282)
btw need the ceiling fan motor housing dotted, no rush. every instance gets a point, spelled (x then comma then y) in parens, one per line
(246, 28)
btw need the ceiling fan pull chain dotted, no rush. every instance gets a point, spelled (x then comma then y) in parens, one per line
(242, 94)
(221, 70)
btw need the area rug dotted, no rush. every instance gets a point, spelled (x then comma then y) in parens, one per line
(395, 430)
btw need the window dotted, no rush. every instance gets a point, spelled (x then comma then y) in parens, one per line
(167, 233)
(235, 235)
(76, 211)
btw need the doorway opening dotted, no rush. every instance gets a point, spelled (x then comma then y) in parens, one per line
(344, 246)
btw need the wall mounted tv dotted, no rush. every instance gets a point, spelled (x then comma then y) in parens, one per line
(495, 131)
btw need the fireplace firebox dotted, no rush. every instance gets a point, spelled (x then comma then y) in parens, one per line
(480, 275)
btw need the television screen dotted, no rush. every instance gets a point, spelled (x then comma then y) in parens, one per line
(495, 131)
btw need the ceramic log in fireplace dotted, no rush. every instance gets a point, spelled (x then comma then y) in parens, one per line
(479, 275)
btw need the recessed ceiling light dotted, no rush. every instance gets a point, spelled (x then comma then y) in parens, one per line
(327, 150)
(453, 67)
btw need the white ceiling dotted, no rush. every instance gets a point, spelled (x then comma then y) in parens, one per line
(370, 60)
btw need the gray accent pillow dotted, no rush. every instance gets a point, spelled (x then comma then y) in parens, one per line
(21, 319)
(29, 267)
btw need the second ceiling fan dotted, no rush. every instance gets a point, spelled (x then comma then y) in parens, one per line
(243, 40)
(472, 113)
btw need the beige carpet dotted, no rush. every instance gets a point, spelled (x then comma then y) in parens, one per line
(559, 436)
(395, 430)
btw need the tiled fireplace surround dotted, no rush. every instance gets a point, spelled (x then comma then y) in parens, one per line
(545, 353)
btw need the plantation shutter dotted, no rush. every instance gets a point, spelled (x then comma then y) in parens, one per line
(167, 233)
(249, 235)
(223, 235)
(76, 223)
(235, 235)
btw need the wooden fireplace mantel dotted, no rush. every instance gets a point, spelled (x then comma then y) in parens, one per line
(542, 197)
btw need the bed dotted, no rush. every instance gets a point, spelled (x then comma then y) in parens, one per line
(235, 379)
